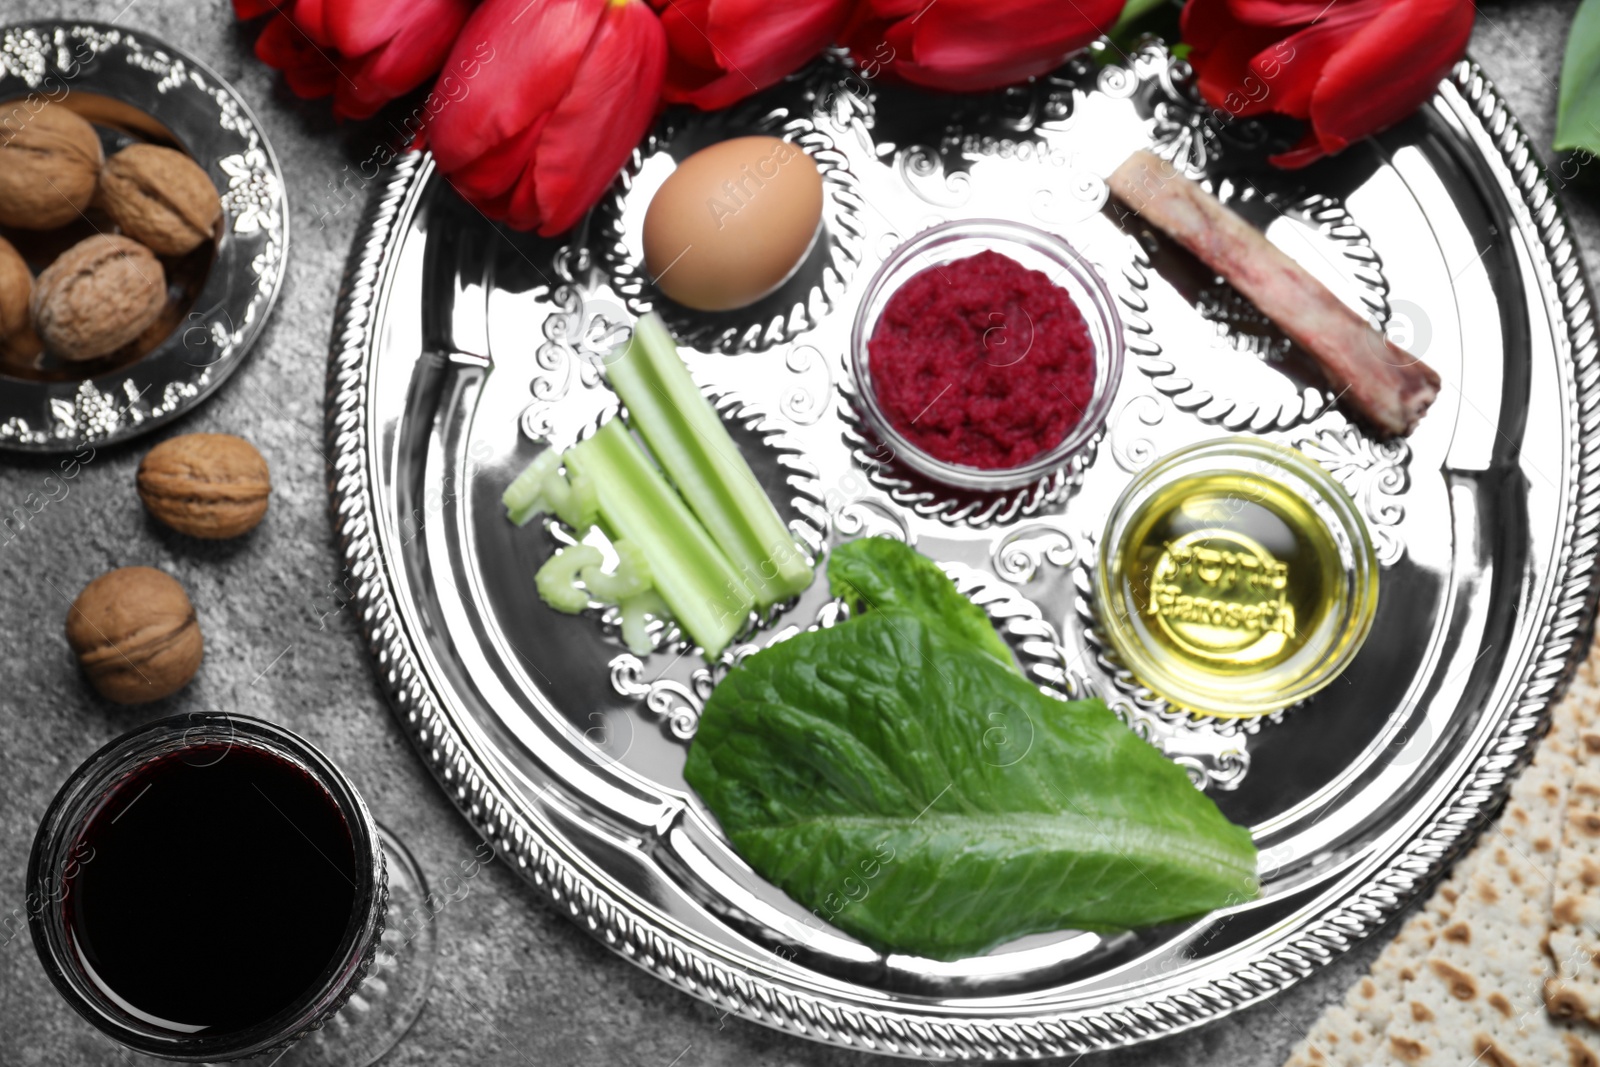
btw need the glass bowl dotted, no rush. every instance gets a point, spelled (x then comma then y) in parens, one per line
(1236, 577)
(1036, 250)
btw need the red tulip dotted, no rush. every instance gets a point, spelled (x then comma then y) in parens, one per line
(721, 51)
(575, 86)
(970, 45)
(307, 66)
(364, 52)
(1350, 68)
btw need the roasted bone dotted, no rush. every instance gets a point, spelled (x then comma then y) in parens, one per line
(1386, 384)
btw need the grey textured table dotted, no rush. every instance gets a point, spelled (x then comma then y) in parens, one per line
(515, 984)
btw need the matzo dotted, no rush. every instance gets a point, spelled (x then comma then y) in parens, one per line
(1478, 994)
(1573, 991)
(1347, 1034)
(1463, 983)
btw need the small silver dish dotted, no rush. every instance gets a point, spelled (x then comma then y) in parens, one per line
(1036, 250)
(135, 87)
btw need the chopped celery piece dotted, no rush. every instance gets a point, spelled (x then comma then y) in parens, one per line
(635, 632)
(557, 580)
(525, 497)
(542, 488)
(688, 438)
(579, 504)
(701, 588)
(632, 577)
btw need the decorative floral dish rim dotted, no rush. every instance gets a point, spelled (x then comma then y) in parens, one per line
(57, 417)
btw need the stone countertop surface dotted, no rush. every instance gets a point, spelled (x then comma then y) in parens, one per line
(515, 983)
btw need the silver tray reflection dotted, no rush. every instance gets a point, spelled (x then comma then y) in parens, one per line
(460, 346)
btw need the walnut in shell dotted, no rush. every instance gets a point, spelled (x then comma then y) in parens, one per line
(49, 167)
(210, 485)
(161, 198)
(16, 290)
(135, 635)
(98, 296)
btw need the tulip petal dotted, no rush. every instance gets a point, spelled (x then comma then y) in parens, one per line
(1387, 70)
(971, 45)
(888, 10)
(684, 80)
(1301, 12)
(309, 71)
(764, 42)
(724, 50)
(1290, 69)
(1221, 56)
(521, 210)
(245, 10)
(753, 32)
(497, 172)
(1204, 24)
(399, 64)
(594, 130)
(971, 38)
(688, 23)
(537, 46)
(311, 83)
(495, 208)
(861, 29)
(356, 27)
(1303, 154)
(693, 61)
(311, 16)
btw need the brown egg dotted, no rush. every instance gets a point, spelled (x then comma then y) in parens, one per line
(733, 222)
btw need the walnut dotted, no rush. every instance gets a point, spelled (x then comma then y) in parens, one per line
(135, 634)
(16, 289)
(161, 198)
(49, 167)
(210, 485)
(20, 350)
(98, 296)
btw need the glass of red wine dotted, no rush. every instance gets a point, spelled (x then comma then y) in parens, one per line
(210, 888)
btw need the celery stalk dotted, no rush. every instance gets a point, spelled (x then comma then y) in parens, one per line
(692, 575)
(688, 438)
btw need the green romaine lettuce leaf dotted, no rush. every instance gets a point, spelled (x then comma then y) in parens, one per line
(916, 793)
(881, 574)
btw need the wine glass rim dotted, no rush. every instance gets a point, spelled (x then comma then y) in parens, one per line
(76, 803)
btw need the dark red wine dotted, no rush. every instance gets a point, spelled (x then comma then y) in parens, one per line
(214, 889)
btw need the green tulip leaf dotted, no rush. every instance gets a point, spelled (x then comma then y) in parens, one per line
(1578, 116)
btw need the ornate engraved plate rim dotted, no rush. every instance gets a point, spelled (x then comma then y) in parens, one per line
(783, 997)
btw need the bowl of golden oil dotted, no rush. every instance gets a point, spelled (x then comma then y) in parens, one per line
(1236, 577)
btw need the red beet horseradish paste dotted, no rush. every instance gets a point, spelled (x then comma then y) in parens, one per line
(982, 362)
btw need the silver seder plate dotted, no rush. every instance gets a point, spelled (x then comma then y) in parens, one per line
(460, 349)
